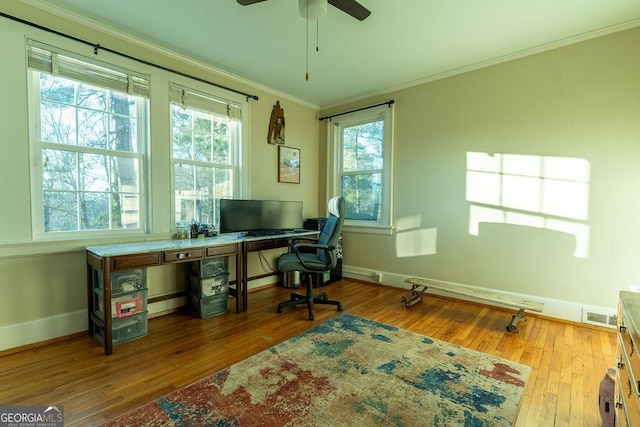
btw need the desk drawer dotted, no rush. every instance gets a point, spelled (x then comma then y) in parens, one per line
(221, 250)
(629, 339)
(129, 262)
(184, 255)
(628, 393)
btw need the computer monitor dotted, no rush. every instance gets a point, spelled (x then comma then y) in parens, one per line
(247, 215)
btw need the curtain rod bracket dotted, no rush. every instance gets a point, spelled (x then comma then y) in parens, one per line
(95, 49)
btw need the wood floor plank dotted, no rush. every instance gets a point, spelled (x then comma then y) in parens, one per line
(567, 360)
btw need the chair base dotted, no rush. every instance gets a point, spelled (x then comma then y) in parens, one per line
(309, 300)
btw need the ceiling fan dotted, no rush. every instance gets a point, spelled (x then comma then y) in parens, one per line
(314, 9)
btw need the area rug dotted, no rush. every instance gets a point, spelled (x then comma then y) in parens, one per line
(348, 371)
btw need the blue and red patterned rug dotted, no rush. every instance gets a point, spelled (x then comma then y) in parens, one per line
(348, 371)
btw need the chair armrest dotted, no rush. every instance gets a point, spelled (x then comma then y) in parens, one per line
(304, 239)
(327, 249)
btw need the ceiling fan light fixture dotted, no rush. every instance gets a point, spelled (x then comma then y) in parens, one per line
(312, 9)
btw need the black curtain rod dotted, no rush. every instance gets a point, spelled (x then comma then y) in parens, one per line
(389, 103)
(97, 47)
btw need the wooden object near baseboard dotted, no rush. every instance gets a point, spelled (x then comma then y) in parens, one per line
(419, 288)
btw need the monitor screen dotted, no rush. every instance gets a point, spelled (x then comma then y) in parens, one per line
(246, 215)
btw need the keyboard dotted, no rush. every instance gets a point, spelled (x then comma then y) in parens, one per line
(264, 232)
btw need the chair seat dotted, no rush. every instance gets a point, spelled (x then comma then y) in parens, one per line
(315, 259)
(290, 262)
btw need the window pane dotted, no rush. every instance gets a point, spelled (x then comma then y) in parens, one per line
(57, 89)
(123, 133)
(204, 195)
(184, 193)
(362, 147)
(95, 211)
(126, 173)
(122, 104)
(60, 211)
(221, 143)
(92, 97)
(223, 185)
(202, 143)
(94, 172)
(362, 193)
(182, 144)
(59, 170)
(130, 213)
(92, 131)
(57, 123)
(180, 117)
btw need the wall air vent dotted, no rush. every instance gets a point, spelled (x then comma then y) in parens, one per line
(599, 316)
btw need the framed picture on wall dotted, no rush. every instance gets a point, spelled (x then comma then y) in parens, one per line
(288, 164)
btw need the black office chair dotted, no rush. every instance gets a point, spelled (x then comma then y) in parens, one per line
(314, 257)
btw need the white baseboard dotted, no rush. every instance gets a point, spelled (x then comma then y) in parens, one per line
(38, 330)
(20, 334)
(564, 310)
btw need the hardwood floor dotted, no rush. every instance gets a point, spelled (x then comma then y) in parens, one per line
(568, 360)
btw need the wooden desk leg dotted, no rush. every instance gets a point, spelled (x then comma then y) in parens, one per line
(108, 321)
(239, 278)
(245, 275)
(90, 302)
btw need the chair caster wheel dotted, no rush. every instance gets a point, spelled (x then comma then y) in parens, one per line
(340, 307)
(279, 309)
(311, 316)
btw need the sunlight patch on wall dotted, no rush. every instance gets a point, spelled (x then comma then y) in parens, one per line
(419, 242)
(531, 191)
(408, 223)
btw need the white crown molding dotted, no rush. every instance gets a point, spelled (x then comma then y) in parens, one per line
(495, 61)
(129, 38)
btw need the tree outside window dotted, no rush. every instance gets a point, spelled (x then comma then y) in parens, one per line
(363, 165)
(204, 145)
(88, 138)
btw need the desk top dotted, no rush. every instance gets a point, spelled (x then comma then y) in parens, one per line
(117, 249)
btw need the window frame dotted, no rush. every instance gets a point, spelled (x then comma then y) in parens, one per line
(37, 146)
(336, 126)
(200, 99)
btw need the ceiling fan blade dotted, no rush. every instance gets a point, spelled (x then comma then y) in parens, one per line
(350, 7)
(248, 2)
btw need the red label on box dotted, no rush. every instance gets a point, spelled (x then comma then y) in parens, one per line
(129, 307)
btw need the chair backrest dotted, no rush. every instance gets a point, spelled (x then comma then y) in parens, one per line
(332, 229)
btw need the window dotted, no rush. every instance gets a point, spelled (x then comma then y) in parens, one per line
(206, 142)
(363, 167)
(88, 137)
